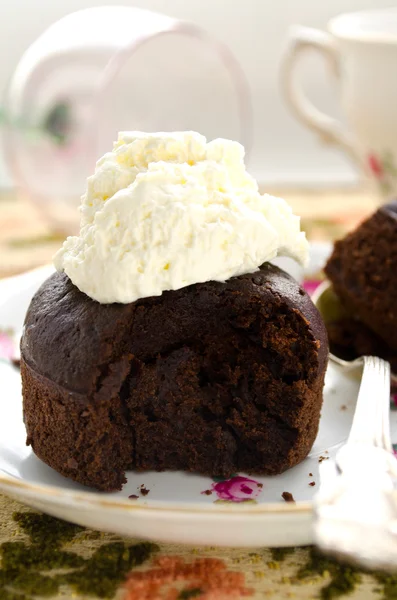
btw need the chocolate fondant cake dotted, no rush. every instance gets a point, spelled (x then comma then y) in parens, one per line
(213, 378)
(161, 342)
(363, 272)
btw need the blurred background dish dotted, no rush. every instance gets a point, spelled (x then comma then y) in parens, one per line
(283, 152)
(361, 51)
(107, 69)
(53, 87)
(70, 80)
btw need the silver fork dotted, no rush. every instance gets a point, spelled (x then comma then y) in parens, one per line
(355, 510)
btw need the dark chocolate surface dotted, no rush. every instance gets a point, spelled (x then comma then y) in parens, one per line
(68, 337)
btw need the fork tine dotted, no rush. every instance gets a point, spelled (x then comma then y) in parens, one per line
(371, 418)
(382, 437)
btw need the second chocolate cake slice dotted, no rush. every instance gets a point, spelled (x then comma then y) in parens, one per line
(363, 272)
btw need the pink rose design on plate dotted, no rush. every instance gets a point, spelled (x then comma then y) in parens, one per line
(310, 285)
(7, 349)
(237, 489)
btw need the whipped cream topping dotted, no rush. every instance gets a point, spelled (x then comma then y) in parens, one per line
(166, 210)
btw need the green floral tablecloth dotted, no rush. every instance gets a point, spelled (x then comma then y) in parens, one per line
(42, 557)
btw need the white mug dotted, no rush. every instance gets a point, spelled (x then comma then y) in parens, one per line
(361, 49)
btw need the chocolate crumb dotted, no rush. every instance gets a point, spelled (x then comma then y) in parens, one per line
(260, 485)
(312, 483)
(144, 491)
(288, 497)
(207, 492)
(310, 474)
(321, 458)
(343, 407)
(133, 497)
(16, 362)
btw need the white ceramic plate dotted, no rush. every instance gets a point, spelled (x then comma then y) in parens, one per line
(243, 511)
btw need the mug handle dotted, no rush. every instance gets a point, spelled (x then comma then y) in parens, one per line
(329, 129)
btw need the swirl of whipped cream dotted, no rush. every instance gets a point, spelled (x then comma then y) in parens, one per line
(166, 210)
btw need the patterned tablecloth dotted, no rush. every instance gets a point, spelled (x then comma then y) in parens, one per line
(42, 557)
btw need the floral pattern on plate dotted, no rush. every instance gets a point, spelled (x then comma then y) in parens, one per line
(310, 285)
(7, 344)
(236, 489)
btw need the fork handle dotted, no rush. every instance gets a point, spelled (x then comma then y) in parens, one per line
(355, 518)
(355, 509)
